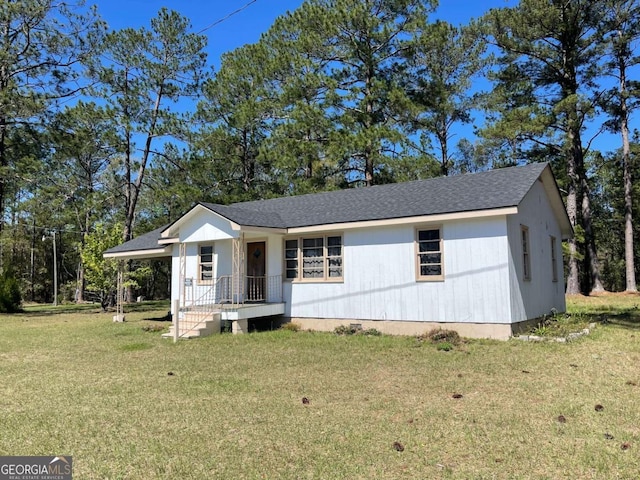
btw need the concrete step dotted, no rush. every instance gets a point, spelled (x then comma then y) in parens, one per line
(194, 325)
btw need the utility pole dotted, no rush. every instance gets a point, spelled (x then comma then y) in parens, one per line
(55, 271)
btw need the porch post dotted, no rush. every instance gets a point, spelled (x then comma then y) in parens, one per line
(176, 320)
(237, 275)
(119, 316)
(183, 274)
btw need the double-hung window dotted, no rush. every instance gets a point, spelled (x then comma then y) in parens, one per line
(429, 254)
(205, 263)
(554, 260)
(314, 258)
(526, 253)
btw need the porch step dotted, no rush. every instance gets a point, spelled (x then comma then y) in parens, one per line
(196, 325)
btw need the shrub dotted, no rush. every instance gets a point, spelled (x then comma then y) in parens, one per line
(356, 329)
(559, 325)
(438, 335)
(291, 326)
(345, 330)
(10, 296)
(372, 332)
(445, 340)
(444, 346)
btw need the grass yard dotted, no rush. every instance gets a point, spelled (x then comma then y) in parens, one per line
(128, 404)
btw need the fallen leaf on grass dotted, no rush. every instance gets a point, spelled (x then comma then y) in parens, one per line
(398, 447)
(625, 446)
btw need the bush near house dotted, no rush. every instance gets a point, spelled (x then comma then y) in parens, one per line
(10, 296)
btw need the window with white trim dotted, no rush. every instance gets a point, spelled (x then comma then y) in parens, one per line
(291, 259)
(313, 258)
(429, 254)
(554, 260)
(526, 252)
(205, 263)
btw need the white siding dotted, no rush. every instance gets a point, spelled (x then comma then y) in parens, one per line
(222, 258)
(535, 297)
(206, 227)
(380, 278)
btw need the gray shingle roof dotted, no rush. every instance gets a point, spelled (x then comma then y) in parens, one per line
(493, 189)
(248, 217)
(489, 190)
(148, 241)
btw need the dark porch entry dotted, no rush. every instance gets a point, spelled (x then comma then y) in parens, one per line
(256, 272)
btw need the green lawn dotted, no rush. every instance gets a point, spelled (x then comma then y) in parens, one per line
(128, 404)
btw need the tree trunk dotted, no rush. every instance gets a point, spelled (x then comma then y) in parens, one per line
(577, 174)
(573, 275)
(4, 162)
(629, 260)
(590, 241)
(79, 296)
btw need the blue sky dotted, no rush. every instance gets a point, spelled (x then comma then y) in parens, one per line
(246, 26)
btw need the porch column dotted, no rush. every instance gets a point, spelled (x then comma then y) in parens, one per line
(237, 274)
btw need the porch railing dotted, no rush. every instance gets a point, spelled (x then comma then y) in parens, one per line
(202, 303)
(253, 289)
(263, 288)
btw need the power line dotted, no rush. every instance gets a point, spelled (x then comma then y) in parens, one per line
(217, 22)
(32, 226)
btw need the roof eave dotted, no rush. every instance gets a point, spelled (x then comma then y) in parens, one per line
(434, 218)
(140, 254)
(557, 204)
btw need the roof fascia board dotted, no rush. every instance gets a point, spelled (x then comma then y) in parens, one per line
(140, 254)
(170, 231)
(553, 192)
(168, 240)
(497, 212)
(254, 229)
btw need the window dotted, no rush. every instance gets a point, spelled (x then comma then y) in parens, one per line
(334, 257)
(205, 263)
(291, 259)
(313, 259)
(429, 254)
(554, 260)
(526, 253)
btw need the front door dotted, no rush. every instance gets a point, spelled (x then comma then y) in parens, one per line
(256, 271)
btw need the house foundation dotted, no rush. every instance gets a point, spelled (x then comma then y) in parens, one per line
(497, 331)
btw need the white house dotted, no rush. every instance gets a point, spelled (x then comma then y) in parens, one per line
(479, 253)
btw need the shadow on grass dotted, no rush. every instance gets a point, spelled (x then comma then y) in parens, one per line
(621, 317)
(626, 319)
(163, 318)
(44, 310)
(94, 308)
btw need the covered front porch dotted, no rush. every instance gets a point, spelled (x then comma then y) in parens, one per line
(222, 274)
